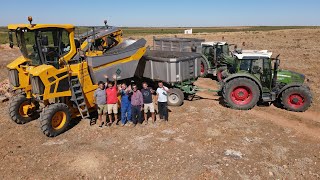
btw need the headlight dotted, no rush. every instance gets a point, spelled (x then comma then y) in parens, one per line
(14, 77)
(37, 85)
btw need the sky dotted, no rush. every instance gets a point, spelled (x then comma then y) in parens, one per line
(163, 13)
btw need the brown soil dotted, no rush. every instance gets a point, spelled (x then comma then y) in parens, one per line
(274, 143)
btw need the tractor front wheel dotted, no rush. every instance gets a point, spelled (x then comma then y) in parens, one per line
(241, 94)
(23, 110)
(203, 67)
(219, 73)
(296, 99)
(175, 97)
(55, 119)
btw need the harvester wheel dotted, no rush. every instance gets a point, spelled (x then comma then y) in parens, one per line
(18, 109)
(55, 119)
(241, 94)
(203, 68)
(219, 73)
(296, 99)
(175, 97)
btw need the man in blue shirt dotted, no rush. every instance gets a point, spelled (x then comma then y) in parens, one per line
(125, 93)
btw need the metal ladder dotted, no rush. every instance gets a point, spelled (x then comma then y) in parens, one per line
(78, 97)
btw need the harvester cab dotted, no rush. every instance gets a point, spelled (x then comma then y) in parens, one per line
(253, 79)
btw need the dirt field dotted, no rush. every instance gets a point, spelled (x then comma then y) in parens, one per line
(202, 140)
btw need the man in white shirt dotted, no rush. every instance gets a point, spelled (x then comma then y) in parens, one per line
(162, 96)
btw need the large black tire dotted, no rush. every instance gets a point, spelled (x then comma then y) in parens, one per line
(15, 109)
(175, 97)
(203, 67)
(55, 119)
(241, 94)
(297, 99)
(219, 73)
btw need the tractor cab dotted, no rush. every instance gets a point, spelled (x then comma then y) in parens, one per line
(256, 63)
(215, 51)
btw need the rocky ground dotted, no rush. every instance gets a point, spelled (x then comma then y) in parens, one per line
(202, 140)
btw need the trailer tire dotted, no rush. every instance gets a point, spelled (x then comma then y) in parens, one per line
(16, 109)
(55, 119)
(241, 94)
(175, 97)
(297, 99)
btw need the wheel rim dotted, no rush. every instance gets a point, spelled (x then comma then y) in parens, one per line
(58, 120)
(173, 98)
(296, 100)
(241, 95)
(202, 70)
(21, 111)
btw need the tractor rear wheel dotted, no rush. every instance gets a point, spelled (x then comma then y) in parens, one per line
(241, 93)
(296, 99)
(175, 97)
(55, 119)
(18, 109)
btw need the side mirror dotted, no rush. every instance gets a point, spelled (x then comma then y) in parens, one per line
(11, 39)
(44, 40)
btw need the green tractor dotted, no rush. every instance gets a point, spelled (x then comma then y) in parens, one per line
(252, 79)
(219, 57)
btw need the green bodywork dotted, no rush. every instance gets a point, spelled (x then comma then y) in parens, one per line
(288, 77)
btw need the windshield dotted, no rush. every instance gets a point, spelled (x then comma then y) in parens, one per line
(43, 45)
(27, 44)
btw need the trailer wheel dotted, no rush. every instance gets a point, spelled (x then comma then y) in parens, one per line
(203, 68)
(296, 99)
(17, 111)
(241, 94)
(175, 97)
(55, 119)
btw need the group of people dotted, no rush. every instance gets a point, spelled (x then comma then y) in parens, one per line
(133, 102)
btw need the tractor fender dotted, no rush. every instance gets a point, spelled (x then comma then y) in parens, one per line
(233, 76)
(289, 86)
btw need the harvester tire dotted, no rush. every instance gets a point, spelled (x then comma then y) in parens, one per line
(297, 99)
(16, 109)
(55, 119)
(241, 94)
(175, 97)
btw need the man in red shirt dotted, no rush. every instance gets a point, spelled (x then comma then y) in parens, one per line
(112, 99)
